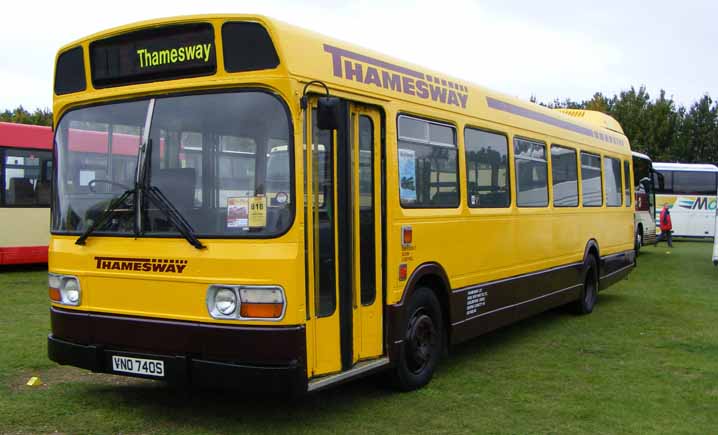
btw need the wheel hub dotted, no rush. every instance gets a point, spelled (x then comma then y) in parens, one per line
(421, 340)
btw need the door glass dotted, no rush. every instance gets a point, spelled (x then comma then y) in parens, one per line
(366, 210)
(323, 170)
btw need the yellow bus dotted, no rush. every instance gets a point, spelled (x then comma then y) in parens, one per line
(267, 208)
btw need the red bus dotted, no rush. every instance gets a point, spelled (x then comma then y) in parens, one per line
(26, 178)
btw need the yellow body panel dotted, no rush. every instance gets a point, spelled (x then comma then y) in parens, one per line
(472, 245)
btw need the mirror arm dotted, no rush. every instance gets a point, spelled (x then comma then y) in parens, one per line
(303, 101)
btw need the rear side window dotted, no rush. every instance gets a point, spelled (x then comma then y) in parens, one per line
(627, 183)
(487, 169)
(428, 166)
(564, 171)
(531, 173)
(612, 172)
(591, 180)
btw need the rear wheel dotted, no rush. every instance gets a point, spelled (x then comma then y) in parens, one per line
(423, 341)
(589, 292)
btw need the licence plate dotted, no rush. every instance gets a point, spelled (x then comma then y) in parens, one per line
(138, 366)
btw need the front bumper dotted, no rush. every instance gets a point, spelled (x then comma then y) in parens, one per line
(266, 359)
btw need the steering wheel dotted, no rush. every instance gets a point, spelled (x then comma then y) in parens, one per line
(92, 183)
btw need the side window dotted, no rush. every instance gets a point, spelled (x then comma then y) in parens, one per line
(428, 165)
(323, 186)
(487, 169)
(366, 210)
(531, 173)
(627, 183)
(27, 177)
(564, 170)
(612, 172)
(591, 180)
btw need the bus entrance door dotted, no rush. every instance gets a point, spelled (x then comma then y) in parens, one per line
(343, 241)
(366, 220)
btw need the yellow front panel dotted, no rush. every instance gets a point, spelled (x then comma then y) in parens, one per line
(175, 295)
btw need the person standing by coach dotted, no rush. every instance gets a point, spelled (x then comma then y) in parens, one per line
(666, 227)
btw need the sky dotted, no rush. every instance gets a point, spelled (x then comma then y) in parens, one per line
(548, 49)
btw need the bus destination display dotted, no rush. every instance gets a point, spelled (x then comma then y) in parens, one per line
(154, 54)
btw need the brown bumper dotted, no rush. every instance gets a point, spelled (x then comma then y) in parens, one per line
(195, 353)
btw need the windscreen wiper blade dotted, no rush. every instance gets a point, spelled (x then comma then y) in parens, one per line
(170, 211)
(107, 214)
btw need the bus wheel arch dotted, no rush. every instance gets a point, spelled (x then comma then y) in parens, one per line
(593, 249)
(424, 304)
(432, 276)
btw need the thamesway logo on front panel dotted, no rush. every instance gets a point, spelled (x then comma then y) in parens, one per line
(158, 265)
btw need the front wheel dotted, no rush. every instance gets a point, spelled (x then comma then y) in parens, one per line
(423, 341)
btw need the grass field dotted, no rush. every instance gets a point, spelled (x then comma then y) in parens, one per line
(646, 361)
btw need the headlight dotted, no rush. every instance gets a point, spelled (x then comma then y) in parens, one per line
(222, 302)
(225, 301)
(71, 291)
(246, 302)
(64, 289)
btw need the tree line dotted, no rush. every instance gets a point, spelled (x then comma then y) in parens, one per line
(666, 131)
(21, 115)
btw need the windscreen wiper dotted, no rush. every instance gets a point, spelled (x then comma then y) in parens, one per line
(107, 214)
(156, 196)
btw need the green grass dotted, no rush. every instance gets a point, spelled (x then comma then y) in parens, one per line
(646, 361)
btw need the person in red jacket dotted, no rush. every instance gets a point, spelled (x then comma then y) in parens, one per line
(666, 227)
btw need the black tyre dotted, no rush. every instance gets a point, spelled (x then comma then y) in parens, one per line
(589, 292)
(423, 341)
(638, 242)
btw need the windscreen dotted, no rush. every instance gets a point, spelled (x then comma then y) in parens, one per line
(96, 161)
(223, 160)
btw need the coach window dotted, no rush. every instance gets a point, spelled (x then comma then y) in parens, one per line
(694, 183)
(627, 183)
(564, 171)
(487, 169)
(428, 166)
(612, 172)
(531, 173)
(591, 180)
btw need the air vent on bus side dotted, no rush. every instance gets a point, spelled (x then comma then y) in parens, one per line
(596, 118)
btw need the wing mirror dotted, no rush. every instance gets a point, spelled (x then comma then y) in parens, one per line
(329, 113)
(329, 109)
